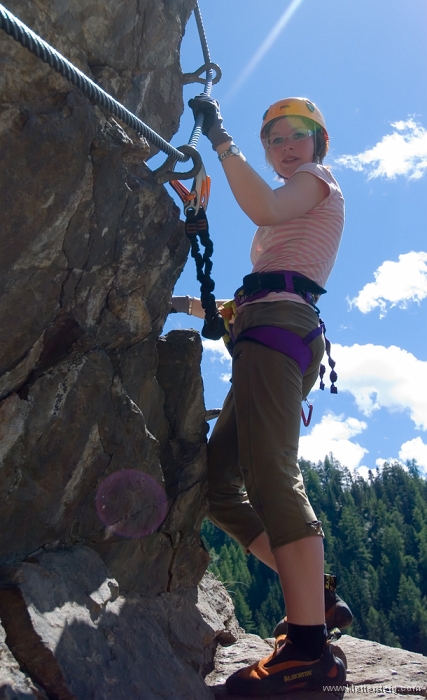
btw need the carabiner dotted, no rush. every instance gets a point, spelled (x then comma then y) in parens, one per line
(200, 192)
(198, 196)
(306, 419)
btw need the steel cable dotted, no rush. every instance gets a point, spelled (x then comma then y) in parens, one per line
(214, 325)
(25, 36)
(197, 129)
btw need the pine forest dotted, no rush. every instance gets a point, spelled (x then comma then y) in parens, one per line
(375, 542)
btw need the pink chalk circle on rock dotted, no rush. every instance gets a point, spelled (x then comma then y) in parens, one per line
(131, 503)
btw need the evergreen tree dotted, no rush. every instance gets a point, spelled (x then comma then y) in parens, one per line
(409, 616)
(378, 628)
(243, 611)
(391, 566)
(376, 542)
(272, 609)
(422, 558)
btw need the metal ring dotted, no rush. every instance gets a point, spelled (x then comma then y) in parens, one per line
(165, 172)
(196, 77)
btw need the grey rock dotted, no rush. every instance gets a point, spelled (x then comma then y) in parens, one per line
(130, 49)
(78, 637)
(373, 665)
(14, 683)
(217, 609)
(90, 249)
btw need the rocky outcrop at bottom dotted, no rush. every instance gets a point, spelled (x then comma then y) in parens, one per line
(372, 669)
(68, 633)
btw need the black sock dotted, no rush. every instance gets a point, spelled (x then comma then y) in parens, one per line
(309, 638)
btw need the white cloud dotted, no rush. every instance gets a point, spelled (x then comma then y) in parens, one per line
(333, 434)
(404, 152)
(218, 349)
(414, 449)
(218, 353)
(380, 377)
(396, 282)
(381, 461)
(363, 472)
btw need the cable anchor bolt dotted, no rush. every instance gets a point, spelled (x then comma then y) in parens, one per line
(166, 173)
(196, 77)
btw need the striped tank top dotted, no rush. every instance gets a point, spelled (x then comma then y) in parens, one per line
(308, 244)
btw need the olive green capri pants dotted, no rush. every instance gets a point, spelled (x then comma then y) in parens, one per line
(255, 483)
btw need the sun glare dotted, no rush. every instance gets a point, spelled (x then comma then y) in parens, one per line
(263, 49)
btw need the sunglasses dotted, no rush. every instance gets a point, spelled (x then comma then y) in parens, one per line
(295, 136)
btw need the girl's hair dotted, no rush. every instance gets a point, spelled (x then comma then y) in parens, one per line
(319, 137)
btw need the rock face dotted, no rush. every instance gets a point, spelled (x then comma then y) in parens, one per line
(76, 636)
(90, 249)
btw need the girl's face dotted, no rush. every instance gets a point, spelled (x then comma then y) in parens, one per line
(289, 145)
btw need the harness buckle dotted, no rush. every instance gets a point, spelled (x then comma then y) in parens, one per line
(252, 283)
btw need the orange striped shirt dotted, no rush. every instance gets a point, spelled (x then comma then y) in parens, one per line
(308, 244)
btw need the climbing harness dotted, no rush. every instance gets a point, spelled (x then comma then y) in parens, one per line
(292, 345)
(228, 311)
(284, 341)
(258, 285)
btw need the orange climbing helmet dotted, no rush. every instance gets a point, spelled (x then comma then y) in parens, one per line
(296, 107)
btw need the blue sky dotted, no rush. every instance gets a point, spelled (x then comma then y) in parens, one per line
(364, 63)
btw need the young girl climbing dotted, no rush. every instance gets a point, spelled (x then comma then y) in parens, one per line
(256, 490)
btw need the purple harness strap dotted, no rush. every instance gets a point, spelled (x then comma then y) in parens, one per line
(291, 344)
(284, 341)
